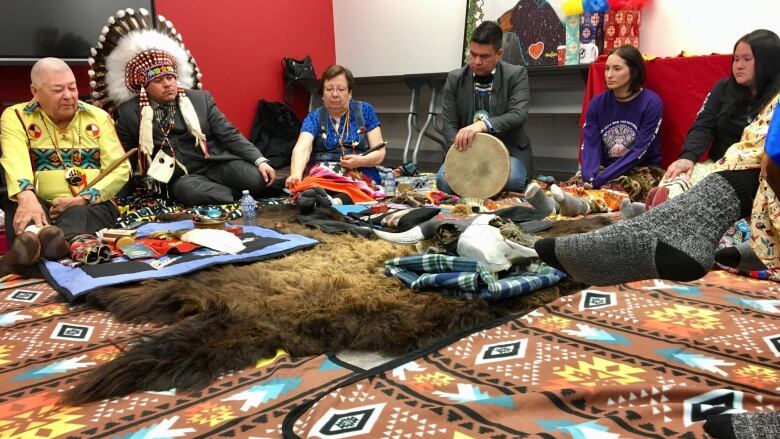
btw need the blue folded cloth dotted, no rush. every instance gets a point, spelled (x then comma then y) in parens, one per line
(346, 209)
(464, 277)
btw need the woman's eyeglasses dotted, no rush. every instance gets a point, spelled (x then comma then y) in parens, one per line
(339, 90)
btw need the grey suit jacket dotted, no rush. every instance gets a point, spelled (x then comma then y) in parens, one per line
(509, 101)
(224, 140)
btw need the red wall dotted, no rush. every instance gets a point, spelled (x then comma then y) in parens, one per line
(15, 83)
(238, 45)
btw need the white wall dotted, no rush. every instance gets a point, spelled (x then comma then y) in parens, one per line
(702, 27)
(396, 37)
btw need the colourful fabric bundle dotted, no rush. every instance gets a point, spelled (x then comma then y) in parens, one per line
(621, 27)
(86, 248)
(572, 23)
(592, 29)
(600, 200)
(350, 182)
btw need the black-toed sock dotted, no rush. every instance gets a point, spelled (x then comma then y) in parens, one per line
(536, 197)
(311, 198)
(741, 256)
(743, 426)
(545, 248)
(719, 427)
(675, 241)
(570, 206)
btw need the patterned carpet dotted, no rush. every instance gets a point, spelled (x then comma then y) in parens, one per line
(45, 345)
(646, 359)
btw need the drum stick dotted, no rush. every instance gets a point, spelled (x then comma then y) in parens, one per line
(374, 148)
(108, 170)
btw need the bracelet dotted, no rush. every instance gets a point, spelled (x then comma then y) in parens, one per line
(488, 125)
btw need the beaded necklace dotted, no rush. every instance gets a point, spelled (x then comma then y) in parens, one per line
(166, 125)
(344, 132)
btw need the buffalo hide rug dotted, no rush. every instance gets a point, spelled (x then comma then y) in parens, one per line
(329, 298)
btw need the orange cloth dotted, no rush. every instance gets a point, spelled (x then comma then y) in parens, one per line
(352, 191)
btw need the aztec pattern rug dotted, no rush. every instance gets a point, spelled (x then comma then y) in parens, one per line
(645, 359)
(47, 344)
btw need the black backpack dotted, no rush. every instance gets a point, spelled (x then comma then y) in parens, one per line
(275, 131)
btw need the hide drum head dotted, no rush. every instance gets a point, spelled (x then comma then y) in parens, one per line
(481, 171)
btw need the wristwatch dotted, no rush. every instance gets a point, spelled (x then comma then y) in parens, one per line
(261, 160)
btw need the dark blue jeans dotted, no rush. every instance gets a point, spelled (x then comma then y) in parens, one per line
(516, 182)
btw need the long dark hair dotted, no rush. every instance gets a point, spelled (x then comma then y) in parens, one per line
(765, 46)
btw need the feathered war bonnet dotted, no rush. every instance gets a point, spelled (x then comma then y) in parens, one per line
(132, 51)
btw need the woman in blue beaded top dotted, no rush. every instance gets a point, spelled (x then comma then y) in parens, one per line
(338, 135)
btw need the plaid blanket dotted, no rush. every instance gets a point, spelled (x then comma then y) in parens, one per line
(464, 277)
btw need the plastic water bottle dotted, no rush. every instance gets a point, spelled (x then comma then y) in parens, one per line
(389, 184)
(248, 209)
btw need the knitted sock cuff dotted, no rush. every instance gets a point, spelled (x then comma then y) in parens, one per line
(756, 425)
(745, 184)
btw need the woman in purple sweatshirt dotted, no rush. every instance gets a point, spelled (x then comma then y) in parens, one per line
(621, 126)
(620, 148)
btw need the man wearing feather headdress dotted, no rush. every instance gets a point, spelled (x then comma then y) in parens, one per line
(54, 149)
(184, 140)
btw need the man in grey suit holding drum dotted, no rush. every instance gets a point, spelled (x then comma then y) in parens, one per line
(488, 96)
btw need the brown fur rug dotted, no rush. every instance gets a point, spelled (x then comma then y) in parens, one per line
(330, 298)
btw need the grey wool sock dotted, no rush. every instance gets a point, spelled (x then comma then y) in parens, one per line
(674, 241)
(570, 206)
(741, 256)
(630, 209)
(743, 426)
(538, 199)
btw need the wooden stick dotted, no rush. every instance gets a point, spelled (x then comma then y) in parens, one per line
(111, 167)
